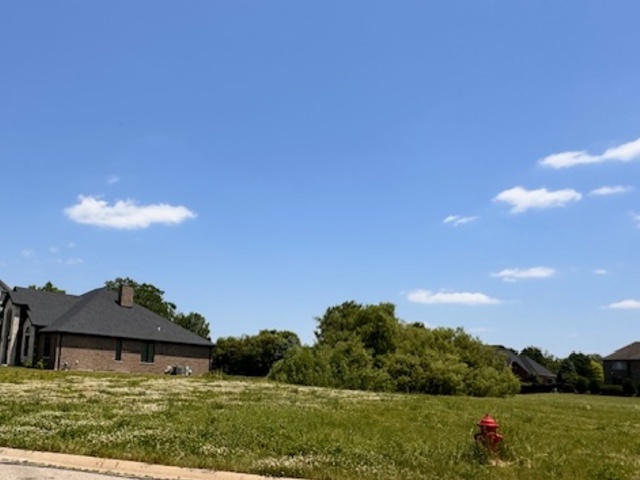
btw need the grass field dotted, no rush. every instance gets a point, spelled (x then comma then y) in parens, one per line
(281, 430)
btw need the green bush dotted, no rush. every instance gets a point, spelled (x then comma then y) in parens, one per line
(303, 366)
(614, 390)
(406, 373)
(582, 385)
(252, 355)
(352, 368)
(367, 348)
(628, 387)
(490, 382)
(595, 386)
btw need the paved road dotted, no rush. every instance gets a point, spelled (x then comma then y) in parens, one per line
(10, 471)
(33, 465)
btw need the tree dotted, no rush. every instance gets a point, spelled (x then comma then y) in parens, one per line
(567, 372)
(268, 347)
(48, 287)
(193, 322)
(545, 359)
(228, 355)
(587, 366)
(152, 298)
(147, 296)
(305, 366)
(368, 347)
(376, 326)
(253, 355)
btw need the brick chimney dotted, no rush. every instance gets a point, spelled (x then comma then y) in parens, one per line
(125, 298)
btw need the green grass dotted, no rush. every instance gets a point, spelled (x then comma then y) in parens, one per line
(280, 430)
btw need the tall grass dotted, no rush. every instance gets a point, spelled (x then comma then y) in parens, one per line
(280, 430)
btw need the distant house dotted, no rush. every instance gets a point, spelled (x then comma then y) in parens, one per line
(622, 364)
(100, 330)
(527, 369)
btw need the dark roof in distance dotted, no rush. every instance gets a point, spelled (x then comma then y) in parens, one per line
(98, 313)
(534, 367)
(630, 352)
(528, 364)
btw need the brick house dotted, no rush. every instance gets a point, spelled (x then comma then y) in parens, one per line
(527, 369)
(622, 364)
(101, 330)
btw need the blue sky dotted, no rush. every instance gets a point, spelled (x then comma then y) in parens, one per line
(474, 163)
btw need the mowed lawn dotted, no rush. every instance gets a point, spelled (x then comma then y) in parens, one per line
(282, 430)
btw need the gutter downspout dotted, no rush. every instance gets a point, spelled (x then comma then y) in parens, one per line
(59, 351)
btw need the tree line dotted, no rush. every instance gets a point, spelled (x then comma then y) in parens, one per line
(367, 347)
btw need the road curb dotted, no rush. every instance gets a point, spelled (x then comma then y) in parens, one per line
(119, 467)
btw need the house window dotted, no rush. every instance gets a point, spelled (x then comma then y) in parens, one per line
(619, 366)
(47, 346)
(118, 349)
(27, 337)
(148, 353)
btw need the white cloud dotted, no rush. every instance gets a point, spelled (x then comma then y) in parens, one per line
(625, 305)
(522, 199)
(70, 261)
(125, 214)
(55, 249)
(111, 179)
(456, 220)
(515, 274)
(479, 330)
(601, 271)
(610, 190)
(459, 298)
(622, 153)
(27, 253)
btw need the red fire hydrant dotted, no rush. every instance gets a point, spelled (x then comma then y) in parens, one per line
(488, 435)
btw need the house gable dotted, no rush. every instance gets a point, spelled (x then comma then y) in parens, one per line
(527, 368)
(622, 364)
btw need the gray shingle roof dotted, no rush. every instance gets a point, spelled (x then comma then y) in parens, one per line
(98, 313)
(630, 352)
(528, 364)
(44, 307)
(534, 367)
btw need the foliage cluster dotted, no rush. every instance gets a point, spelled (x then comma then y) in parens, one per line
(48, 287)
(366, 347)
(277, 430)
(578, 372)
(581, 373)
(252, 355)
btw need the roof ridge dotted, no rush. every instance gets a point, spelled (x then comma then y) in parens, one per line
(67, 315)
